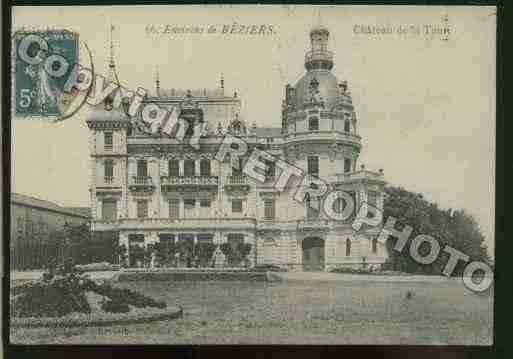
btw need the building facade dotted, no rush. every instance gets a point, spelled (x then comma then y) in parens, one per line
(152, 188)
(33, 220)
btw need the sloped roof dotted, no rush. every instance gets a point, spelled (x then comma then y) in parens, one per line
(84, 211)
(29, 201)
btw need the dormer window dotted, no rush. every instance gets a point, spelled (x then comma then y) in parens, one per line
(313, 124)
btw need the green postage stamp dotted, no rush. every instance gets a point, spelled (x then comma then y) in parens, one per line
(43, 63)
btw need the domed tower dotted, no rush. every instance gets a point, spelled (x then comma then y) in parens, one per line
(319, 128)
(318, 113)
(319, 57)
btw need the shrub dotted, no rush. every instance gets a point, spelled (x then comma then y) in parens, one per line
(58, 296)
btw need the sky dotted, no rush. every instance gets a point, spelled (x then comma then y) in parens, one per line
(425, 106)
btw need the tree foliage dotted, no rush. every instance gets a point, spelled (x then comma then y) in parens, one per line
(455, 228)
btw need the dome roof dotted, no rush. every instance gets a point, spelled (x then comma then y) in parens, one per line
(319, 29)
(328, 88)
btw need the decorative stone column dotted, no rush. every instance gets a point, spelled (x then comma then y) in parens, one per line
(180, 166)
(197, 166)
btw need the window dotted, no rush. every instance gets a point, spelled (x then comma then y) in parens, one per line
(312, 207)
(238, 171)
(189, 203)
(136, 238)
(205, 238)
(205, 167)
(338, 205)
(348, 247)
(142, 209)
(269, 209)
(271, 169)
(347, 126)
(29, 230)
(107, 140)
(142, 168)
(347, 165)
(313, 165)
(313, 124)
(374, 245)
(108, 173)
(174, 208)
(372, 198)
(205, 202)
(20, 223)
(43, 228)
(189, 168)
(174, 168)
(236, 205)
(109, 210)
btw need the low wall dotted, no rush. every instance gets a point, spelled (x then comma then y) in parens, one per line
(189, 275)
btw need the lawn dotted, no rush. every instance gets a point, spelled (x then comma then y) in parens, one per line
(348, 312)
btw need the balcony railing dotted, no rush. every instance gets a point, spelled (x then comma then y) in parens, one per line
(174, 182)
(318, 55)
(108, 179)
(177, 224)
(141, 182)
(237, 182)
(312, 224)
(359, 176)
(237, 179)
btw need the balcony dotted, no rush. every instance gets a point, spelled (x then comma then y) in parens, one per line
(237, 183)
(107, 183)
(141, 183)
(318, 56)
(178, 224)
(362, 175)
(189, 183)
(312, 224)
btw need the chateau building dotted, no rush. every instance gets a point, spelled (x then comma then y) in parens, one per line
(154, 188)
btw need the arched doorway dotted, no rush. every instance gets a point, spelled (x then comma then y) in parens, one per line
(313, 254)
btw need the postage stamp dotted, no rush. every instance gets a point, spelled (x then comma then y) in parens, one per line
(43, 64)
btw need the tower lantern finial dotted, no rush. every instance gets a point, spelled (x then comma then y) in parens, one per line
(157, 79)
(222, 80)
(111, 54)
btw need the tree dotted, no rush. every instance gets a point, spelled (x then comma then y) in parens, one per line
(457, 229)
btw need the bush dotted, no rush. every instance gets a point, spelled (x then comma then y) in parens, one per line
(58, 296)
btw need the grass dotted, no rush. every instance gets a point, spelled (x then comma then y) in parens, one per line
(349, 312)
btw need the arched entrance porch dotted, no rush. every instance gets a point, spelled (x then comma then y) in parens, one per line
(313, 254)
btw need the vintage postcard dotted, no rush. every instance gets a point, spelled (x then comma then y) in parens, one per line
(252, 175)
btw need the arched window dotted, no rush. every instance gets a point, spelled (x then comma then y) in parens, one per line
(374, 245)
(348, 247)
(313, 124)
